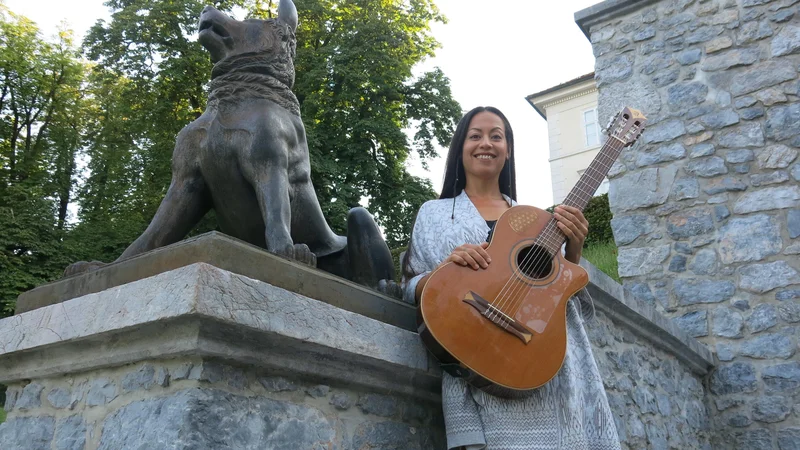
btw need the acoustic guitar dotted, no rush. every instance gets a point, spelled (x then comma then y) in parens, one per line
(504, 328)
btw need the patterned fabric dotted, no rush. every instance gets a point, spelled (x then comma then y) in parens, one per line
(570, 412)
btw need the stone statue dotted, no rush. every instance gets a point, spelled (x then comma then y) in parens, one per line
(247, 158)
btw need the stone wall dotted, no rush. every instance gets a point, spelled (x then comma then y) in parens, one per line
(192, 403)
(202, 357)
(657, 402)
(707, 205)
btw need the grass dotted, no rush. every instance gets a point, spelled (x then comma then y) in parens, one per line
(604, 257)
(2, 415)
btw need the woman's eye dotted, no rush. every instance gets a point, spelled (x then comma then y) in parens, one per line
(474, 136)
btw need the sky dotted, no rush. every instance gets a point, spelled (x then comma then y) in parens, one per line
(494, 52)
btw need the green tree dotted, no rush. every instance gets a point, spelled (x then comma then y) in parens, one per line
(358, 94)
(359, 97)
(40, 111)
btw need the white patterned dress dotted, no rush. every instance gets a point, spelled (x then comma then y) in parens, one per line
(569, 412)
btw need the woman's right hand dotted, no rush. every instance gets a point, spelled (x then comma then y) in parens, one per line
(471, 255)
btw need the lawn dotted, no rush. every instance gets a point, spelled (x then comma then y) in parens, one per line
(604, 257)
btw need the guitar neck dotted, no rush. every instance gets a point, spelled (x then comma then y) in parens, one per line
(552, 238)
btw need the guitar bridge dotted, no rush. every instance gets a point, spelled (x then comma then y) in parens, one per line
(497, 317)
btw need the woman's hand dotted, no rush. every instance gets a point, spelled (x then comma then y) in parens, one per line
(575, 227)
(471, 255)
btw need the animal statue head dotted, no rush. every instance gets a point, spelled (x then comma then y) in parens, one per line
(225, 37)
(252, 58)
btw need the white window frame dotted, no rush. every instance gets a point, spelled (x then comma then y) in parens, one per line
(586, 143)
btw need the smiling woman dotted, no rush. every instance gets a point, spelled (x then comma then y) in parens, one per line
(568, 411)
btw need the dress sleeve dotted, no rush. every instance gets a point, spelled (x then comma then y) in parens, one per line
(418, 264)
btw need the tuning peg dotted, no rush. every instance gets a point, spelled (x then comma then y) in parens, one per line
(610, 123)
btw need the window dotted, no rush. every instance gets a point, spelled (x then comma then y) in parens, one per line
(591, 130)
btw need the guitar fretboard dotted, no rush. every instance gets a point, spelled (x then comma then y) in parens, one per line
(551, 237)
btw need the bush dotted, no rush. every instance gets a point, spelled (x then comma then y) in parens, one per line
(598, 213)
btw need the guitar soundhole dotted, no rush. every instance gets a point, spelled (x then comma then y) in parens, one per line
(535, 262)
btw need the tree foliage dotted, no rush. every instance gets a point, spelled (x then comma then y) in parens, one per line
(86, 136)
(41, 131)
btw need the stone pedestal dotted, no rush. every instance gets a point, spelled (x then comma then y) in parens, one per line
(196, 356)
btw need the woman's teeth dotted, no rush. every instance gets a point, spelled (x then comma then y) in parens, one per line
(485, 157)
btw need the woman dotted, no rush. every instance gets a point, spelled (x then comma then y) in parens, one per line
(569, 412)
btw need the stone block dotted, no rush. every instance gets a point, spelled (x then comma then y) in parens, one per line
(695, 323)
(237, 257)
(727, 322)
(776, 156)
(59, 398)
(31, 396)
(640, 261)
(26, 433)
(688, 223)
(229, 421)
(761, 278)
(706, 167)
(782, 377)
(751, 238)
(70, 433)
(768, 345)
(734, 378)
(781, 197)
(771, 409)
(762, 75)
(787, 41)
(763, 317)
(690, 291)
(627, 229)
(653, 185)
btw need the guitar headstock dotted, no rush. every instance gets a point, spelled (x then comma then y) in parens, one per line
(627, 126)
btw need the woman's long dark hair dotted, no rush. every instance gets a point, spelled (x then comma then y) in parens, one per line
(455, 179)
(454, 176)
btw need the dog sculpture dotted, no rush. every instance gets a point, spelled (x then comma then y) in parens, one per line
(247, 158)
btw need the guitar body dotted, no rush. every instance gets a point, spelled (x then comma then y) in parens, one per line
(505, 324)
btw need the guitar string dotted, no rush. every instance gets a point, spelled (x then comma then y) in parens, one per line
(549, 240)
(548, 229)
(545, 258)
(510, 291)
(553, 238)
(503, 296)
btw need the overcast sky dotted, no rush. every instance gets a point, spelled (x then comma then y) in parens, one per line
(494, 52)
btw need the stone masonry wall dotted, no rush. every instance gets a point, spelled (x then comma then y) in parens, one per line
(192, 403)
(707, 205)
(657, 402)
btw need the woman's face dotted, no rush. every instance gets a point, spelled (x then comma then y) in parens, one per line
(485, 148)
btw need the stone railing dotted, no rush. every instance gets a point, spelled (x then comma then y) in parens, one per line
(196, 354)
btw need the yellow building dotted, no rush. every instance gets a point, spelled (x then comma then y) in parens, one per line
(570, 110)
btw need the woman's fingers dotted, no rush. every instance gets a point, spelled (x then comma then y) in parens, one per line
(572, 219)
(471, 255)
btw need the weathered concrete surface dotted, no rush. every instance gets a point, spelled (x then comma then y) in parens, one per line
(235, 256)
(203, 310)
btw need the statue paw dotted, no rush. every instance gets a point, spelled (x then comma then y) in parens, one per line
(303, 254)
(83, 267)
(390, 288)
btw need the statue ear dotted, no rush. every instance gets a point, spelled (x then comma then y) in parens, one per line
(287, 13)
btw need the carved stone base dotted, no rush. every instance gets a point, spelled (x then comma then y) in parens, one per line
(200, 357)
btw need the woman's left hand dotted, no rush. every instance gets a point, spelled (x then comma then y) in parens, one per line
(575, 227)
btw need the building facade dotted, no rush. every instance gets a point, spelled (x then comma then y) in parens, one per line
(574, 131)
